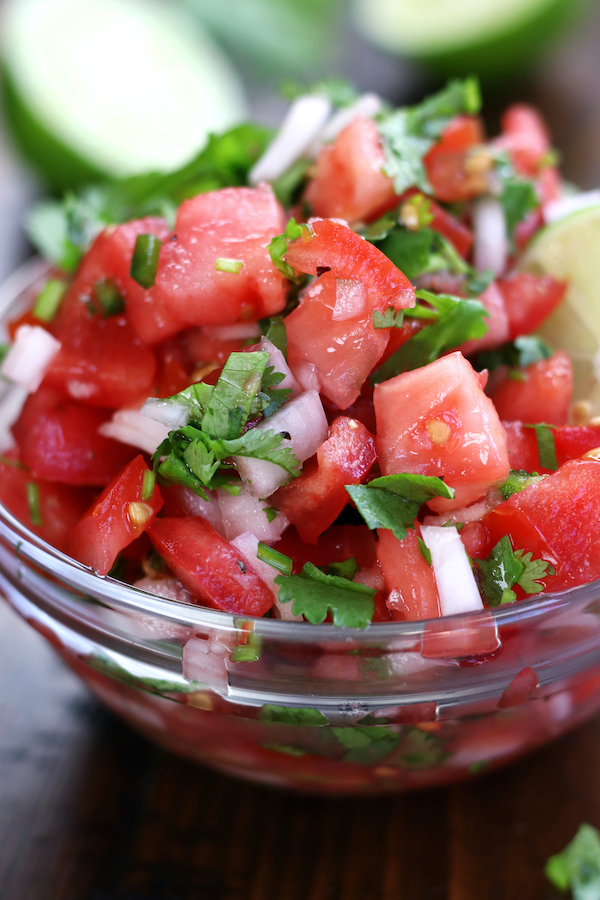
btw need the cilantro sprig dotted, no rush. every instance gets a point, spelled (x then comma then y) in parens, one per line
(453, 321)
(393, 501)
(520, 353)
(279, 245)
(314, 594)
(577, 867)
(505, 567)
(517, 196)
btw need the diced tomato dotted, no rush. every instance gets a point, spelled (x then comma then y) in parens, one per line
(203, 349)
(59, 441)
(436, 420)
(525, 136)
(542, 392)
(210, 567)
(342, 253)
(412, 591)
(529, 299)
(362, 408)
(447, 163)
(446, 224)
(474, 537)
(520, 688)
(337, 544)
(570, 442)
(350, 182)
(497, 323)
(174, 372)
(234, 223)
(559, 519)
(469, 636)
(313, 501)
(60, 506)
(522, 447)
(118, 517)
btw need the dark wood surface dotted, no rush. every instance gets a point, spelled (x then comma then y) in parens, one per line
(91, 811)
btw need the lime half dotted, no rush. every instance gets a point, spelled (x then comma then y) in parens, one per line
(570, 249)
(111, 87)
(482, 37)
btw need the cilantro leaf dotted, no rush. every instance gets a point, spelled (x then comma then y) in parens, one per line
(285, 715)
(393, 501)
(345, 569)
(518, 480)
(578, 866)
(269, 399)
(314, 594)
(366, 744)
(421, 750)
(410, 132)
(545, 445)
(278, 248)
(262, 444)
(520, 353)
(391, 318)
(456, 320)
(518, 198)
(276, 333)
(338, 91)
(233, 395)
(196, 398)
(504, 568)
(410, 251)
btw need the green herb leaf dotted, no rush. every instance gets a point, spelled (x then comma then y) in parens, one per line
(410, 251)
(409, 133)
(520, 353)
(518, 480)
(425, 551)
(533, 571)
(314, 594)
(285, 715)
(276, 333)
(109, 297)
(394, 501)
(288, 187)
(279, 244)
(391, 318)
(232, 398)
(421, 750)
(456, 321)
(504, 568)
(545, 445)
(345, 569)
(518, 198)
(366, 744)
(578, 866)
(338, 91)
(49, 299)
(274, 558)
(196, 398)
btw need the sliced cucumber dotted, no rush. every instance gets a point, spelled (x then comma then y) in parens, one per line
(484, 37)
(112, 87)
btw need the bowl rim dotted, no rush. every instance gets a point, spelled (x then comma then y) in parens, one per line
(27, 545)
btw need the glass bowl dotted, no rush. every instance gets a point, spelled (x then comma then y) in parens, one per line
(319, 708)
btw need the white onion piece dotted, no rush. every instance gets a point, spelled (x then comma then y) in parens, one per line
(205, 661)
(194, 505)
(491, 243)
(558, 209)
(11, 406)
(454, 577)
(366, 106)
(167, 412)
(350, 299)
(239, 331)
(278, 361)
(29, 358)
(131, 426)
(169, 588)
(307, 376)
(303, 123)
(247, 544)
(304, 419)
(245, 512)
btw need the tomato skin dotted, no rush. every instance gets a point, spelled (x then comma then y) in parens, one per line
(543, 396)
(412, 591)
(436, 420)
(348, 256)
(209, 567)
(233, 223)
(526, 138)
(313, 501)
(529, 299)
(445, 162)
(107, 527)
(350, 182)
(61, 506)
(59, 441)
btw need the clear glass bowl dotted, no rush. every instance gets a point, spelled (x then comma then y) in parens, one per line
(397, 706)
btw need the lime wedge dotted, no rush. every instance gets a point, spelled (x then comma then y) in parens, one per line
(570, 249)
(483, 37)
(111, 87)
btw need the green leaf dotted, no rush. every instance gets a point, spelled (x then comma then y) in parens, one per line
(520, 353)
(338, 91)
(279, 244)
(260, 444)
(231, 400)
(421, 750)
(345, 569)
(518, 480)
(545, 445)
(456, 320)
(314, 594)
(533, 571)
(109, 298)
(409, 133)
(276, 333)
(366, 744)
(285, 715)
(196, 398)
(410, 251)
(391, 318)
(425, 551)
(274, 558)
(394, 501)
(504, 568)
(518, 198)
(49, 299)
(578, 866)
(289, 186)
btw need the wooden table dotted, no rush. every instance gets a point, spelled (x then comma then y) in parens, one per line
(91, 811)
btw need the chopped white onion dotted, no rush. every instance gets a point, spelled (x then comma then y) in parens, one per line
(167, 412)
(239, 331)
(303, 123)
(350, 299)
(558, 209)
(454, 577)
(304, 419)
(491, 243)
(169, 588)
(307, 376)
(205, 661)
(366, 106)
(247, 544)
(278, 361)
(131, 426)
(11, 404)
(29, 358)
(245, 512)
(194, 505)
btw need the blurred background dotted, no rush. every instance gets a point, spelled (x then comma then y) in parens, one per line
(103, 88)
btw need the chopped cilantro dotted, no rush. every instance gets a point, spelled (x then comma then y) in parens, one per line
(518, 480)
(577, 867)
(518, 198)
(366, 744)
(455, 320)
(144, 262)
(520, 353)
(391, 318)
(232, 398)
(545, 445)
(4, 350)
(196, 398)
(49, 298)
(270, 513)
(314, 594)
(276, 334)
(279, 244)
(410, 132)
(478, 282)
(504, 568)
(410, 251)
(345, 569)
(394, 501)
(34, 503)
(274, 558)
(285, 715)
(425, 551)
(338, 91)
(422, 750)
